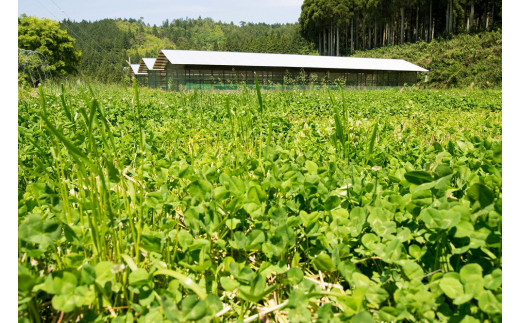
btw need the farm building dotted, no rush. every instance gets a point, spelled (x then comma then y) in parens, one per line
(156, 77)
(189, 69)
(142, 78)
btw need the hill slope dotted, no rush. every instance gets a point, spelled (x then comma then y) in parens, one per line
(462, 61)
(107, 44)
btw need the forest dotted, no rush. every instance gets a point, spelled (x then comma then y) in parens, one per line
(339, 27)
(107, 44)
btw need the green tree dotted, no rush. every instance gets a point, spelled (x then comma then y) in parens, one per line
(51, 42)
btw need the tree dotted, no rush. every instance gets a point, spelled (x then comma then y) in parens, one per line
(45, 37)
(373, 23)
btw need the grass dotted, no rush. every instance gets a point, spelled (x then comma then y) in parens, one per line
(146, 205)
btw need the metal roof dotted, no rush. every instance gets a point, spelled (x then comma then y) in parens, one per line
(134, 70)
(193, 57)
(146, 64)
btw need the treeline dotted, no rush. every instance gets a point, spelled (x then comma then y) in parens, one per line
(206, 34)
(107, 44)
(103, 47)
(339, 27)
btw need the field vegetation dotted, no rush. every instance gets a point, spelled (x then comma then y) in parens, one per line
(151, 206)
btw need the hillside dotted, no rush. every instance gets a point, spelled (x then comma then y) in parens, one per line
(462, 61)
(107, 44)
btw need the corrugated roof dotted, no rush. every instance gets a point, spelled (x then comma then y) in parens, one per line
(193, 57)
(146, 64)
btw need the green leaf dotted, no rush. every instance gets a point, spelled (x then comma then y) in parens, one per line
(359, 281)
(442, 170)
(88, 274)
(221, 193)
(415, 251)
(480, 193)
(184, 280)
(452, 287)
(471, 277)
(469, 319)
(229, 284)
(113, 172)
(34, 229)
(239, 241)
(63, 282)
(130, 262)
(358, 218)
(256, 291)
(462, 299)
(384, 229)
(193, 309)
(214, 305)
(411, 269)
(494, 280)
(362, 317)
(376, 295)
(332, 202)
(84, 295)
(323, 262)
(294, 276)
(255, 240)
(256, 195)
(199, 187)
(258, 285)
(439, 219)
(418, 177)
(392, 251)
(464, 229)
(370, 240)
(246, 274)
(138, 278)
(232, 223)
(26, 279)
(170, 309)
(236, 186)
(151, 243)
(104, 272)
(64, 303)
(488, 303)
(388, 314)
(311, 167)
(185, 239)
(325, 313)
(308, 219)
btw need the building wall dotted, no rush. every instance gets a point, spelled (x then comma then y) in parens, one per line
(157, 79)
(212, 77)
(142, 80)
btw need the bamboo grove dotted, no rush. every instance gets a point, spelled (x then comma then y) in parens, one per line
(339, 27)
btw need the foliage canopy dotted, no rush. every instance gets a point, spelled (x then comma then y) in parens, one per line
(53, 43)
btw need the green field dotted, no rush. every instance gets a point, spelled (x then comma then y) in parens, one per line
(155, 206)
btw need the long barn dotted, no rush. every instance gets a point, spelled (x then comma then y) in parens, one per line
(156, 77)
(133, 71)
(190, 69)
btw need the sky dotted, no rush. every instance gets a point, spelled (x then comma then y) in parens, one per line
(157, 11)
